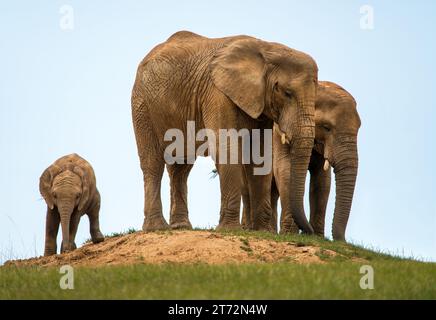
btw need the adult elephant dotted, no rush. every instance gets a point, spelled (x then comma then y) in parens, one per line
(224, 83)
(337, 123)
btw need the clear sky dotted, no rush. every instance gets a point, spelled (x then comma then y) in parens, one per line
(68, 90)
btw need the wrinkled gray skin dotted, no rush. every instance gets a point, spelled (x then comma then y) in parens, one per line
(337, 124)
(69, 189)
(226, 83)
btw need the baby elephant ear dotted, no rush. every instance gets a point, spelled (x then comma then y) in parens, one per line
(85, 186)
(46, 182)
(238, 70)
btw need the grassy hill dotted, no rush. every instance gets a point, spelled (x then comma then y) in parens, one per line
(218, 265)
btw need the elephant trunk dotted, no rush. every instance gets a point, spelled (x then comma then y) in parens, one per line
(345, 169)
(301, 150)
(65, 211)
(299, 165)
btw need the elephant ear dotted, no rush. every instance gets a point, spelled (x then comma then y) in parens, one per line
(238, 70)
(46, 182)
(85, 186)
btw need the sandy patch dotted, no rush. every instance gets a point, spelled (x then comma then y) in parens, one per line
(181, 247)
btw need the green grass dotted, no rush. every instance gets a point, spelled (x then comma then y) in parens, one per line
(394, 278)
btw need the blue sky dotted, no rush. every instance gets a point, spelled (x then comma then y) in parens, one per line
(64, 91)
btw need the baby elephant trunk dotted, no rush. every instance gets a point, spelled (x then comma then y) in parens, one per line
(65, 211)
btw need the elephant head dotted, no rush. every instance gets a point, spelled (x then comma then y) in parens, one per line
(337, 126)
(67, 189)
(272, 80)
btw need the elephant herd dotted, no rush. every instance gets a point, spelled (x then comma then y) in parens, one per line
(232, 83)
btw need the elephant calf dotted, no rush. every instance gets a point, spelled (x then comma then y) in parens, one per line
(337, 123)
(69, 189)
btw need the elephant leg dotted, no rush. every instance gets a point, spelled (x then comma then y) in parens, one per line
(320, 182)
(152, 166)
(153, 216)
(260, 198)
(230, 185)
(94, 223)
(179, 216)
(223, 115)
(51, 231)
(282, 170)
(246, 207)
(74, 225)
(274, 201)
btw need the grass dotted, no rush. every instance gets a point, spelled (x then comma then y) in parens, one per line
(394, 278)
(245, 245)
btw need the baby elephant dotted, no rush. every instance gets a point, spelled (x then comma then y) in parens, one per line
(69, 189)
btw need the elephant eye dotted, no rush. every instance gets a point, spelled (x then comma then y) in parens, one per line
(288, 94)
(276, 86)
(326, 128)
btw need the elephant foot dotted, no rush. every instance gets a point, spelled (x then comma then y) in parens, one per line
(155, 224)
(67, 248)
(289, 227)
(228, 226)
(263, 228)
(50, 248)
(319, 234)
(339, 238)
(97, 237)
(181, 225)
(180, 221)
(49, 252)
(245, 226)
(289, 230)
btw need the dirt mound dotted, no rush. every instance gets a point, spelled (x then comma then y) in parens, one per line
(182, 247)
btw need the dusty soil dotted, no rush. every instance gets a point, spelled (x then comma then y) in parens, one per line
(181, 247)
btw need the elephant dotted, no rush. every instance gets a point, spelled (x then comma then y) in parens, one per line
(337, 123)
(233, 82)
(68, 187)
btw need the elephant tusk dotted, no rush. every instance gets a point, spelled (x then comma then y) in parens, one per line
(284, 140)
(326, 165)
